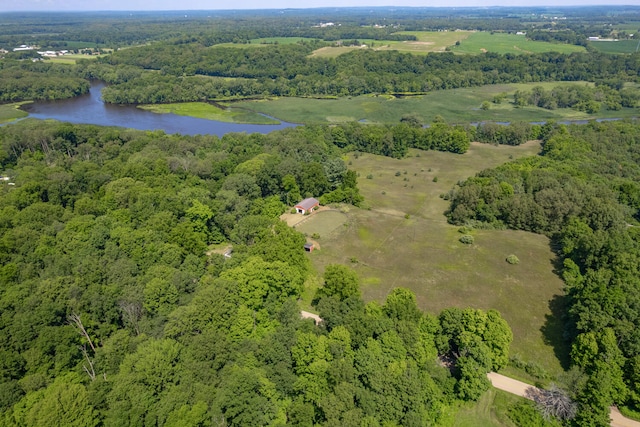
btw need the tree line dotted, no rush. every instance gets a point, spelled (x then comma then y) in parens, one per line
(583, 192)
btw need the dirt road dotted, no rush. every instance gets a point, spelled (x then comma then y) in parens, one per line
(518, 388)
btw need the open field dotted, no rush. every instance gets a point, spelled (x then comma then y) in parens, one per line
(620, 46)
(203, 110)
(428, 41)
(323, 223)
(490, 410)
(279, 40)
(405, 241)
(455, 105)
(481, 41)
(10, 112)
(71, 58)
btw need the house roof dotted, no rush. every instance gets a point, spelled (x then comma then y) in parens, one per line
(307, 204)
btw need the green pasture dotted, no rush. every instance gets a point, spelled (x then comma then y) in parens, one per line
(202, 110)
(481, 41)
(10, 112)
(404, 240)
(279, 40)
(620, 46)
(455, 105)
(427, 41)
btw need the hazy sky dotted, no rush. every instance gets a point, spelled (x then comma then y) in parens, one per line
(66, 5)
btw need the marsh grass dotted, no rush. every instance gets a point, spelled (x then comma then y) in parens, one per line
(204, 110)
(455, 105)
(10, 112)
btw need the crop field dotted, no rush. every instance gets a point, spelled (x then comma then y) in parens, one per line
(203, 110)
(620, 46)
(480, 42)
(404, 240)
(455, 105)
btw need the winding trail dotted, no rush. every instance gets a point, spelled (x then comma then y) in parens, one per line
(518, 388)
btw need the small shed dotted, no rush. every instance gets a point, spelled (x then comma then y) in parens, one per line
(308, 247)
(307, 205)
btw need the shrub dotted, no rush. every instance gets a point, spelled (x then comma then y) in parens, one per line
(370, 176)
(512, 259)
(315, 236)
(465, 229)
(435, 179)
(398, 173)
(467, 239)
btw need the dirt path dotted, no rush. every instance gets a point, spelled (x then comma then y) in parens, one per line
(518, 388)
(307, 315)
(508, 384)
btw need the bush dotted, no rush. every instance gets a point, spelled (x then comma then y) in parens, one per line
(370, 176)
(512, 259)
(435, 179)
(467, 239)
(315, 236)
(465, 229)
(398, 173)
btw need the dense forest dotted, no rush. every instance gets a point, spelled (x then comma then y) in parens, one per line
(115, 313)
(120, 303)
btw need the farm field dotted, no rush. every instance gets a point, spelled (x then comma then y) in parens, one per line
(481, 41)
(404, 240)
(71, 58)
(455, 105)
(428, 41)
(620, 46)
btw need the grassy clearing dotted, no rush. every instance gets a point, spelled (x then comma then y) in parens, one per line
(481, 41)
(10, 112)
(428, 41)
(203, 110)
(323, 223)
(455, 105)
(620, 46)
(490, 410)
(405, 241)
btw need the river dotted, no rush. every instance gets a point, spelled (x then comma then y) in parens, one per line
(90, 109)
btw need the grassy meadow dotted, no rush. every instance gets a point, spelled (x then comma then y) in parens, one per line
(455, 105)
(404, 240)
(10, 112)
(489, 411)
(202, 110)
(481, 41)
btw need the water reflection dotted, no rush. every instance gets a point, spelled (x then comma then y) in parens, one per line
(89, 109)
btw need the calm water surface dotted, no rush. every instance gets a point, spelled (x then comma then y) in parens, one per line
(90, 109)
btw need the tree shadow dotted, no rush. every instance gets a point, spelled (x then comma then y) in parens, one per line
(554, 330)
